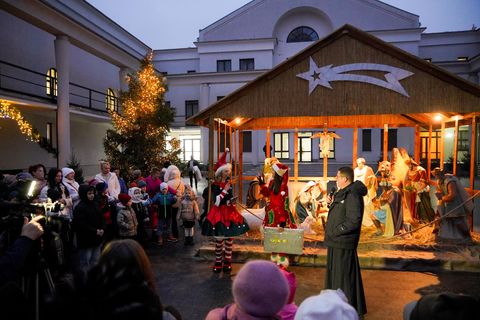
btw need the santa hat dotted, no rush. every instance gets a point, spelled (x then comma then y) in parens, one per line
(329, 304)
(279, 168)
(260, 289)
(222, 164)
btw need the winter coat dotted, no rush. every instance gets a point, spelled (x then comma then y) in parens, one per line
(345, 217)
(87, 219)
(126, 221)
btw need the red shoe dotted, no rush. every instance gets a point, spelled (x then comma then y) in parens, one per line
(217, 267)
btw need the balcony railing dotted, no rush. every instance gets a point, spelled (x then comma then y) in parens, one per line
(20, 80)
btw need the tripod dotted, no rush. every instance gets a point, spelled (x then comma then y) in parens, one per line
(31, 284)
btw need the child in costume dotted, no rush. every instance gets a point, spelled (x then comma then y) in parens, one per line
(277, 211)
(223, 221)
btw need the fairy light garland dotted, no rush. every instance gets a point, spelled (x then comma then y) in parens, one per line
(7, 111)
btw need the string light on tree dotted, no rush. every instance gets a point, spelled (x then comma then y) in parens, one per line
(138, 138)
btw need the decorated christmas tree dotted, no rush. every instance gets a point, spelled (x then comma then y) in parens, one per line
(139, 135)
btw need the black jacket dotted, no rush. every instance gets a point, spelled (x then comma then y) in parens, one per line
(345, 217)
(87, 219)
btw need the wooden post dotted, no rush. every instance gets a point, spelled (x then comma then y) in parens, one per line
(385, 142)
(455, 147)
(240, 165)
(211, 142)
(473, 143)
(355, 147)
(416, 144)
(233, 153)
(442, 143)
(267, 144)
(429, 153)
(218, 139)
(295, 154)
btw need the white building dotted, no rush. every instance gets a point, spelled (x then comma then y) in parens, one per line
(62, 63)
(263, 33)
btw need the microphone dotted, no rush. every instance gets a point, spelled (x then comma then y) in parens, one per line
(332, 192)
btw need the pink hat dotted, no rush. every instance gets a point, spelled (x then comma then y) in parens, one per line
(260, 289)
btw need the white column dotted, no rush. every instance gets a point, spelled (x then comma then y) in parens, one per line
(122, 74)
(203, 104)
(62, 59)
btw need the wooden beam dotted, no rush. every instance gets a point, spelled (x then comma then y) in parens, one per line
(410, 118)
(416, 144)
(240, 165)
(429, 153)
(355, 147)
(295, 154)
(455, 147)
(267, 144)
(442, 144)
(211, 143)
(473, 144)
(385, 142)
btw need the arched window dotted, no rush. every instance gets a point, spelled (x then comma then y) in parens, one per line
(302, 34)
(51, 82)
(111, 101)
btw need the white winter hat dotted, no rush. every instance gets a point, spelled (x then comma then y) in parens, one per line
(67, 171)
(328, 305)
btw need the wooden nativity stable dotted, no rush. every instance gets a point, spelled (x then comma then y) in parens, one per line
(349, 79)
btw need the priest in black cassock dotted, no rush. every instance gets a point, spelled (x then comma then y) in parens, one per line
(342, 233)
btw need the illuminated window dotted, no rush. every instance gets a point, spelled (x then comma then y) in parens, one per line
(51, 83)
(302, 34)
(280, 145)
(111, 101)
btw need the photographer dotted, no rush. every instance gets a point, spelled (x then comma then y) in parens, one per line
(13, 260)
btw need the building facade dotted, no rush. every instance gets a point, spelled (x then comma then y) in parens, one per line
(264, 33)
(62, 64)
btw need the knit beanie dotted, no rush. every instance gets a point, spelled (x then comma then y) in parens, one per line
(328, 305)
(260, 289)
(141, 184)
(66, 171)
(101, 186)
(124, 198)
(163, 185)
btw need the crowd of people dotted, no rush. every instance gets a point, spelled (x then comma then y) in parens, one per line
(99, 232)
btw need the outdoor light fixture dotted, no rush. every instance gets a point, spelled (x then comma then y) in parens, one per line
(438, 118)
(238, 120)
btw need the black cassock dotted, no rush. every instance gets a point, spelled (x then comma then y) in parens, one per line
(341, 238)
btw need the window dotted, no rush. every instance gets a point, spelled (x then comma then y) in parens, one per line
(224, 138)
(247, 64)
(433, 149)
(49, 132)
(392, 138)
(191, 108)
(302, 34)
(190, 145)
(247, 141)
(51, 83)
(280, 145)
(191, 71)
(367, 140)
(224, 65)
(111, 101)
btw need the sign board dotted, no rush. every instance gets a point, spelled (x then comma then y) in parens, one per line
(287, 241)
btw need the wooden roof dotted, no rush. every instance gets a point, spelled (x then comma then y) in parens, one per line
(280, 99)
